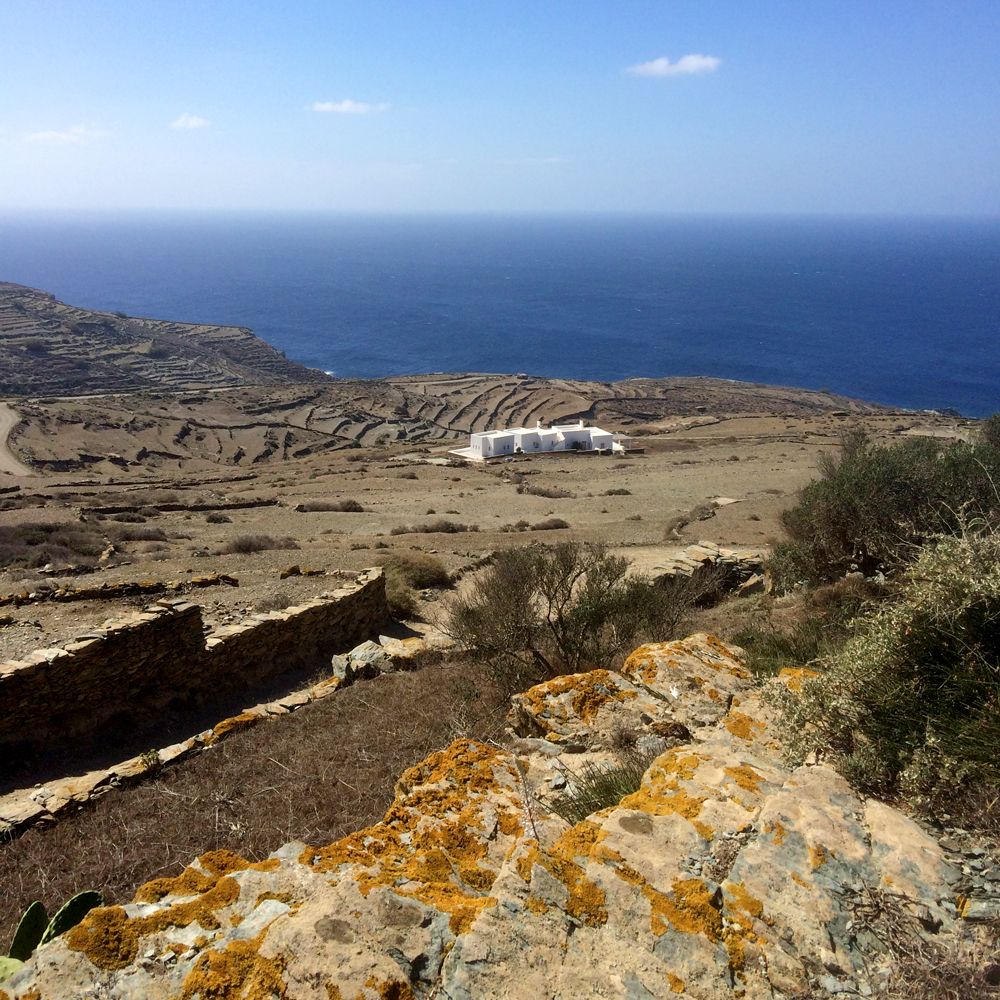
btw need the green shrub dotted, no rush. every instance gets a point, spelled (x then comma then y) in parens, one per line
(875, 505)
(818, 627)
(910, 706)
(538, 612)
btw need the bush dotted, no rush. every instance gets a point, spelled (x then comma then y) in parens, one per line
(538, 612)
(549, 492)
(245, 544)
(874, 506)
(37, 544)
(139, 534)
(617, 493)
(817, 628)
(550, 524)
(345, 506)
(217, 517)
(911, 705)
(441, 525)
(406, 572)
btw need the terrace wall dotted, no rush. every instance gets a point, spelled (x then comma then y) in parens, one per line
(133, 668)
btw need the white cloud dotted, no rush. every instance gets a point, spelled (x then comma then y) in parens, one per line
(689, 65)
(348, 107)
(186, 121)
(75, 136)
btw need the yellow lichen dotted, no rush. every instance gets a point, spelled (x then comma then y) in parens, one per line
(777, 829)
(676, 983)
(431, 845)
(238, 972)
(742, 726)
(232, 725)
(746, 777)
(818, 856)
(589, 692)
(107, 937)
(794, 677)
(110, 939)
(799, 880)
(390, 989)
(585, 900)
(689, 908)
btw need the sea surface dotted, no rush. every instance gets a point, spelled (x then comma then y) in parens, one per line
(900, 311)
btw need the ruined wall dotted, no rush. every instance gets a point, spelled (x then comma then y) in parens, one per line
(133, 668)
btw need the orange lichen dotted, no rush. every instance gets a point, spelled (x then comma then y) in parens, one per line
(689, 908)
(818, 856)
(190, 882)
(110, 939)
(107, 937)
(232, 725)
(777, 829)
(746, 777)
(794, 677)
(536, 905)
(741, 899)
(589, 692)
(676, 983)
(239, 972)
(586, 900)
(390, 989)
(799, 880)
(742, 726)
(431, 846)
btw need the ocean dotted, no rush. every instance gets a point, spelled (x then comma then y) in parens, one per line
(898, 311)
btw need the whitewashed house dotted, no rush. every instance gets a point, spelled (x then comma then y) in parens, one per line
(535, 440)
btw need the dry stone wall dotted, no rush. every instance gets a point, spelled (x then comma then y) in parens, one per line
(133, 668)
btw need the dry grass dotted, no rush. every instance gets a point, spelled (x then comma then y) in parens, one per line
(37, 544)
(440, 526)
(343, 506)
(316, 775)
(245, 544)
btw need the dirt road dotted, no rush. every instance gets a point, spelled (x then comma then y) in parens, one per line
(9, 462)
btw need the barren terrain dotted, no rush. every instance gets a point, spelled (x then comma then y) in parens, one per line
(161, 482)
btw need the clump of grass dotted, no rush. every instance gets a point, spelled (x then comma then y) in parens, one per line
(620, 492)
(217, 517)
(33, 545)
(246, 544)
(407, 572)
(550, 524)
(549, 492)
(440, 526)
(598, 786)
(344, 506)
(277, 601)
(139, 534)
(128, 517)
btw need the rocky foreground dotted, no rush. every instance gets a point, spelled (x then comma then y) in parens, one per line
(725, 875)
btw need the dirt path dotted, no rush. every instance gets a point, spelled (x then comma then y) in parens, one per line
(9, 462)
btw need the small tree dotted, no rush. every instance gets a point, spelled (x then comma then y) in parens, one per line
(537, 612)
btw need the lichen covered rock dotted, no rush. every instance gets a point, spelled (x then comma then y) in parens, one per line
(724, 875)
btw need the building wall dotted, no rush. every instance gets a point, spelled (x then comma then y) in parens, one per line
(129, 671)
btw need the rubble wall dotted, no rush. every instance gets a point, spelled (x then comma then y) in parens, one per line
(127, 671)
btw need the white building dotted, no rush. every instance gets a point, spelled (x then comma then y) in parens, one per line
(538, 439)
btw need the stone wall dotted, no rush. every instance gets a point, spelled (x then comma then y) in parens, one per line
(128, 671)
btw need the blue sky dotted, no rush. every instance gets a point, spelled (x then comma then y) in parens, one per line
(880, 106)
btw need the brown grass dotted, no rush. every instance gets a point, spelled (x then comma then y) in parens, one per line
(315, 775)
(441, 525)
(245, 544)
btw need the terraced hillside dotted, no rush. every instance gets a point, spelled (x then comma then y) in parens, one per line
(50, 348)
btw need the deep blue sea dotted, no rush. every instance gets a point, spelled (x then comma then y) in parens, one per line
(905, 312)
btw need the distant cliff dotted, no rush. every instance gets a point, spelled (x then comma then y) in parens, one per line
(50, 348)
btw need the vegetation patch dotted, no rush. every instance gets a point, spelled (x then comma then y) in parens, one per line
(910, 706)
(35, 545)
(246, 544)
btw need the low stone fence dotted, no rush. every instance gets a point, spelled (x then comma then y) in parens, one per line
(127, 672)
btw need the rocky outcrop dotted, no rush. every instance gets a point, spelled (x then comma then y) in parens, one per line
(725, 874)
